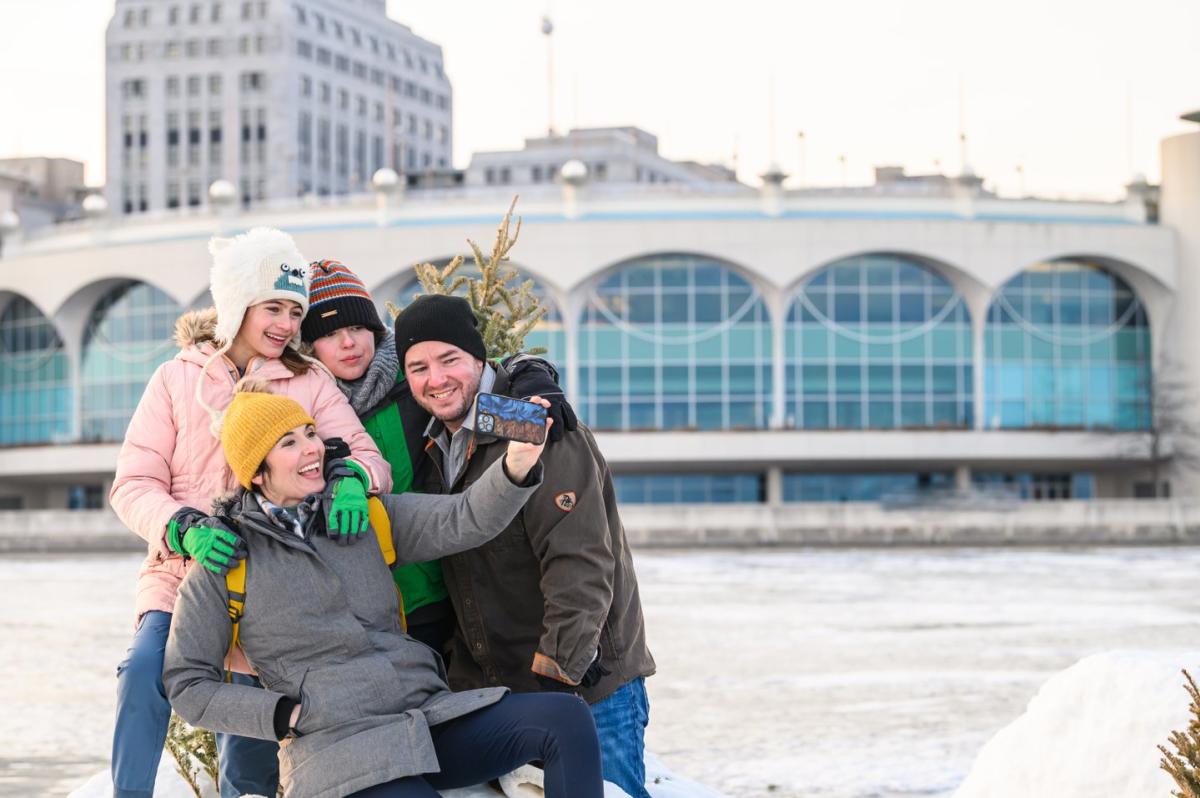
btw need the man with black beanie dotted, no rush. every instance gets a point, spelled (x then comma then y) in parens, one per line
(343, 328)
(552, 602)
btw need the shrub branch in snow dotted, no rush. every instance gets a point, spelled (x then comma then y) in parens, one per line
(507, 309)
(194, 749)
(1184, 764)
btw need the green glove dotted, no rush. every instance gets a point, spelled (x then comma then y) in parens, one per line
(347, 515)
(206, 540)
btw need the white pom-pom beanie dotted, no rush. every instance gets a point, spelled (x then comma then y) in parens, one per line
(254, 267)
(248, 269)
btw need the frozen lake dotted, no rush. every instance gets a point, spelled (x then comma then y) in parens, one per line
(824, 674)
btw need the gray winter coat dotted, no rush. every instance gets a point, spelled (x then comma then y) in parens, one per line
(321, 626)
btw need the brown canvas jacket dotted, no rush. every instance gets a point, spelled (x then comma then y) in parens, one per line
(551, 587)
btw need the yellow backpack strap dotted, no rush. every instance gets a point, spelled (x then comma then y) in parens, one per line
(382, 525)
(235, 590)
(378, 516)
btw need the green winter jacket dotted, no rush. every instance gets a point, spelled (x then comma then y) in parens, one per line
(397, 425)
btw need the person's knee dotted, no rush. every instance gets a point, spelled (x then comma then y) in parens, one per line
(565, 711)
(142, 667)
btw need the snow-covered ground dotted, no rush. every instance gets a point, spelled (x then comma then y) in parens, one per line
(1093, 729)
(823, 674)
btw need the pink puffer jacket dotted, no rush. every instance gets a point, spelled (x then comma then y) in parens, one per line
(170, 459)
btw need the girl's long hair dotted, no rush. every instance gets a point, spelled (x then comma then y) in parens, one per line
(296, 363)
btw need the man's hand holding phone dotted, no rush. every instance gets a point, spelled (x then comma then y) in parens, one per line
(521, 457)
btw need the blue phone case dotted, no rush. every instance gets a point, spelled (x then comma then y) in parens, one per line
(511, 419)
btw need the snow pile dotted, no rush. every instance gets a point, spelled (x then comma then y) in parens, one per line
(1090, 730)
(167, 784)
(523, 783)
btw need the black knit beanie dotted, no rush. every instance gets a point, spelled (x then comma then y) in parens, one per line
(337, 299)
(437, 317)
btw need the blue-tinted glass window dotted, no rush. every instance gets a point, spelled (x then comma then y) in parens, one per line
(547, 334)
(1067, 345)
(128, 335)
(688, 488)
(863, 487)
(36, 400)
(1036, 487)
(684, 342)
(878, 341)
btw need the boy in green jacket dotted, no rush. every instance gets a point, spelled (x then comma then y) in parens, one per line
(344, 330)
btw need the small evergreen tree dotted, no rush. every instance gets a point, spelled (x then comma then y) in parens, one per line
(194, 750)
(1184, 763)
(506, 309)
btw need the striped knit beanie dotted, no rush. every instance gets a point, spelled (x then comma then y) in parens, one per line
(337, 299)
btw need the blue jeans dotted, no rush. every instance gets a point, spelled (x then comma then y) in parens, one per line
(497, 739)
(621, 721)
(141, 727)
(247, 765)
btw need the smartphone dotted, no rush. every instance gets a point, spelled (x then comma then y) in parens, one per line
(511, 419)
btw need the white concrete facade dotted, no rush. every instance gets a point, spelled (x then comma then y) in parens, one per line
(282, 98)
(622, 156)
(1180, 212)
(774, 241)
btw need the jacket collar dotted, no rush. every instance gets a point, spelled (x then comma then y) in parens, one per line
(246, 512)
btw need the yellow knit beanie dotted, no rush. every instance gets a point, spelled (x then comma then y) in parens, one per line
(253, 423)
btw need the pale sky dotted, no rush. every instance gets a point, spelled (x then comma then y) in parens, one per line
(1076, 92)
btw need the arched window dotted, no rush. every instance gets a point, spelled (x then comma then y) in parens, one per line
(128, 335)
(878, 342)
(548, 334)
(675, 341)
(35, 378)
(1067, 346)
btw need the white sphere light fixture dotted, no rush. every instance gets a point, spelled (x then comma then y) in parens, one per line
(94, 206)
(385, 180)
(10, 222)
(574, 172)
(222, 193)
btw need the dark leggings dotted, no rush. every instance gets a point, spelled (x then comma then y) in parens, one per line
(520, 728)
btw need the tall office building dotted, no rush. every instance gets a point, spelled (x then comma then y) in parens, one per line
(283, 98)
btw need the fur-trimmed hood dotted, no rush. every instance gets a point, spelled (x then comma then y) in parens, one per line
(196, 327)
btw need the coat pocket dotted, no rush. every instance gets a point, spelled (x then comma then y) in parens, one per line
(337, 693)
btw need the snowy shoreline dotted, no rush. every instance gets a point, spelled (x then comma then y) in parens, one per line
(822, 674)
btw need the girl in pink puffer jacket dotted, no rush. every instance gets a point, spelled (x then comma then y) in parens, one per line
(171, 468)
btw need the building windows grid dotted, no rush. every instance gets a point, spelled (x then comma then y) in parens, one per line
(1035, 487)
(878, 342)
(129, 333)
(863, 487)
(36, 399)
(548, 334)
(1067, 345)
(689, 488)
(675, 342)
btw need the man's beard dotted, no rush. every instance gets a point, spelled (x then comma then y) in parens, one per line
(458, 415)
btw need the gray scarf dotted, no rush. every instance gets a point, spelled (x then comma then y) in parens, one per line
(366, 392)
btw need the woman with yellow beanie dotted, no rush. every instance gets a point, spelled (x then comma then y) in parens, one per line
(171, 468)
(362, 708)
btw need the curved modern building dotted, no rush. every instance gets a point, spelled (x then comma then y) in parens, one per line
(768, 348)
